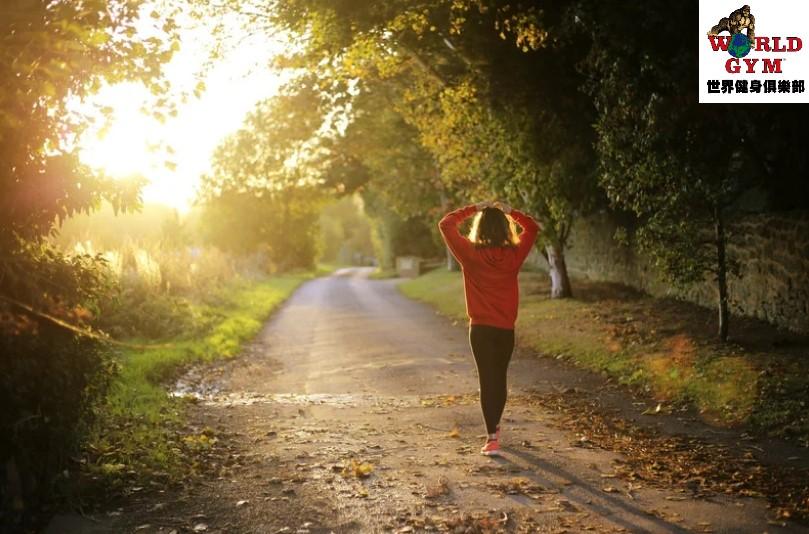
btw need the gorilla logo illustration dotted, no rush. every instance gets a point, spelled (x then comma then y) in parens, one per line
(739, 20)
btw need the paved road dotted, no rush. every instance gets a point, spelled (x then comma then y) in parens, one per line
(348, 370)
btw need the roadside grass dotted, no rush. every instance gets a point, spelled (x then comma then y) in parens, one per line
(662, 347)
(383, 274)
(139, 432)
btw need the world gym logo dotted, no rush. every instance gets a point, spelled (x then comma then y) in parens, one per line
(750, 64)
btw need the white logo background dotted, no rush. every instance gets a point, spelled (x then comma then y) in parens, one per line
(774, 18)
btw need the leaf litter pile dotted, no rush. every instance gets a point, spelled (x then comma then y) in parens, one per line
(693, 465)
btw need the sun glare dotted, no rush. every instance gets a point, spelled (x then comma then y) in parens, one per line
(172, 155)
(122, 149)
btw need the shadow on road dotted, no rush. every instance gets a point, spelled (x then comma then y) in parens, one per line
(585, 495)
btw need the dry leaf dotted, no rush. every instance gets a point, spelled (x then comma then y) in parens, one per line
(357, 469)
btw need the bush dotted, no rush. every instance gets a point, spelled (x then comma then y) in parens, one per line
(50, 377)
(283, 227)
(135, 313)
(50, 381)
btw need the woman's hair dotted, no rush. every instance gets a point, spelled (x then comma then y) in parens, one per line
(492, 228)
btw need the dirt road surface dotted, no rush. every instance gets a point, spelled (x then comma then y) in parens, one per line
(355, 410)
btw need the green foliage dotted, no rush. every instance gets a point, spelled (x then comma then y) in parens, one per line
(88, 44)
(679, 167)
(395, 236)
(277, 146)
(282, 225)
(440, 288)
(50, 387)
(149, 314)
(345, 232)
(399, 172)
(468, 84)
(54, 53)
(263, 192)
(658, 151)
(138, 434)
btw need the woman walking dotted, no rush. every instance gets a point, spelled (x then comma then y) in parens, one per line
(490, 258)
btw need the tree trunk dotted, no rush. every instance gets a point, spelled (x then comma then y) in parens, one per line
(722, 275)
(560, 282)
(452, 263)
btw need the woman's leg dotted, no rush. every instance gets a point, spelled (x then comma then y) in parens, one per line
(503, 347)
(492, 348)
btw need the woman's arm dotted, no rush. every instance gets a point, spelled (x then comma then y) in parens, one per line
(530, 229)
(458, 244)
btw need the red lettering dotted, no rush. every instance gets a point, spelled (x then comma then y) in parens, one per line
(777, 46)
(751, 63)
(719, 42)
(732, 65)
(795, 44)
(762, 44)
(772, 66)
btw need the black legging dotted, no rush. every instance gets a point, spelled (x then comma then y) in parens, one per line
(492, 347)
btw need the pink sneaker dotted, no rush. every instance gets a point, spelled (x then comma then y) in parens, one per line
(492, 448)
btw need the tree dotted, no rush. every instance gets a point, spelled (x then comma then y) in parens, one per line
(400, 186)
(467, 77)
(55, 52)
(282, 225)
(345, 232)
(264, 189)
(680, 167)
(52, 53)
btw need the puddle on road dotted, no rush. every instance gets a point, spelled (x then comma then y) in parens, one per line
(342, 400)
(211, 391)
(197, 390)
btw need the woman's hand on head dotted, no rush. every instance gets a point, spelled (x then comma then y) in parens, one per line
(502, 206)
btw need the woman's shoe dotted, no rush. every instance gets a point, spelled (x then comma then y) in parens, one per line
(492, 448)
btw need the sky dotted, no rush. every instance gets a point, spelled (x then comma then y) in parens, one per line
(234, 84)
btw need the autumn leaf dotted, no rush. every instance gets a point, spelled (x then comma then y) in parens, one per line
(357, 469)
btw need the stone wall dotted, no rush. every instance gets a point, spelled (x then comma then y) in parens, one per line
(773, 251)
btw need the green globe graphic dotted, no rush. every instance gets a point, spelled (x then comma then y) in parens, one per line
(739, 45)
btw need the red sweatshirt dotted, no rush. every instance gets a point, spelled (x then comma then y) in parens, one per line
(489, 273)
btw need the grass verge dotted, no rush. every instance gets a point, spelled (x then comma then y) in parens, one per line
(383, 274)
(139, 431)
(663, 347)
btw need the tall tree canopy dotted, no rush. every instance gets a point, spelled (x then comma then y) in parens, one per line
(489, 87)
(679, 166)
(53, 54)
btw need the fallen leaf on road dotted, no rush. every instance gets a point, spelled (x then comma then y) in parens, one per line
(654, 411)
(239, 504)
(454, 433)
(357, 469)
(441, 487)
(200, 527)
